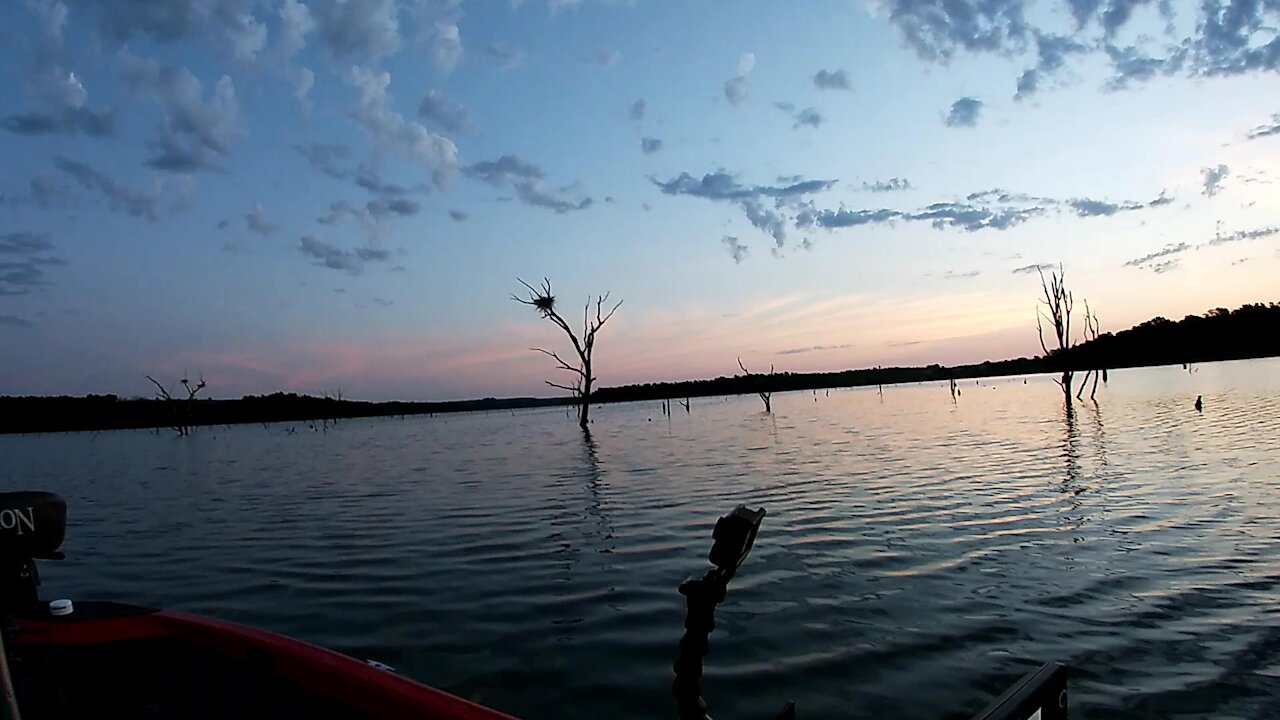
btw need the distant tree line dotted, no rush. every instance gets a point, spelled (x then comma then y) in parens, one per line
(1250, 331)
(109, 412)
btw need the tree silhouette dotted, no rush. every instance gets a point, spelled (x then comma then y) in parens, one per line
(544, 301)
(1058, 305)
(1091, 328)
(181, 408)
(765, 395)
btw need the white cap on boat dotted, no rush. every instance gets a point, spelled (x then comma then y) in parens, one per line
(60, 607)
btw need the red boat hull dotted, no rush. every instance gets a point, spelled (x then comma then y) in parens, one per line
(262, 663)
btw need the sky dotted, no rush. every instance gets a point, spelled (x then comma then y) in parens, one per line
(323, 195)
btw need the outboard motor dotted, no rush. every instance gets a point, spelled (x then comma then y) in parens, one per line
(32, 527)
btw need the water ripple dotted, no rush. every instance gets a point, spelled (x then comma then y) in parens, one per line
(918, 555)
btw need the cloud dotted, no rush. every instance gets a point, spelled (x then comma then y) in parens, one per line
(844, 218)
(832, 80)
(1266, 129)
(737, 250)
(1085, 207)
(1213, 177)
(508, 58)
(46, 191)
(325, 158)
(650, 145)
(303, 80)
(808, 117)
(1163, 267)
(769, 221)
(721, 185)
(358, 29)
(964, 112)
(891, 185)
(459, 216)
(1131, 65)
(238, 29)
(296, 23)
(530, 192)
(786, 197)
(937, 30)
(68, 122)
(1240, 235)
(525, 179)
(604, 58)
(812, 348)
(372, 215)
(367, 177)
(256, 221)
(22, 262)
(990, 209)
(328, 159)
(24, 243)
(14, 321)
(637, 110)
(64, 97)
(444, 113)
(1052, 51)
(446, 45)
(1037, 268)
(195, 134)
(120, 198)
(392, 131)
(497, 172)
(735, 88)
(1225, 38)
(1166, 251)
(53, 16)
(328, 255)
(60, 89)
(957, 275)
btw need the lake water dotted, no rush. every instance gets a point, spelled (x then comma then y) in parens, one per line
(918, 555)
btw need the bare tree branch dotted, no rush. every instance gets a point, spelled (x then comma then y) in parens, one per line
(543, 300)
(164, 394)
(765, 396)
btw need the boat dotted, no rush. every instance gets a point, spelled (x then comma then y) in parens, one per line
(67, 658)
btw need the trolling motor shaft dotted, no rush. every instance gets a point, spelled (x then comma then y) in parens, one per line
(733, 537)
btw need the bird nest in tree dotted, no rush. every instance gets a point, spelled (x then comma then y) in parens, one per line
(546, 303)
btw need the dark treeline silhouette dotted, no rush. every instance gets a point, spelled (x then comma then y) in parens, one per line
(1251, 331)
(1248, 332)
(108, 412)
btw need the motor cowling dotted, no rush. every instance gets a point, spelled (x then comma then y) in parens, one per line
(32, 525)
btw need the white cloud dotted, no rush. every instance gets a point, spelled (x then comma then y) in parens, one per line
(295, 24)
(391, 130)
(446, 46)
(735, 88)
(367, 29)
(61, 89)
(194, 132)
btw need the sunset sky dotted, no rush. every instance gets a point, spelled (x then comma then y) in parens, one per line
(306, 196)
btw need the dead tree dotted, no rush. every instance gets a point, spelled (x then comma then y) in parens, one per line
(685, 403)
(542, 300)
(1091, 328)
(181, 408)
(1058, 302)
(765, 395)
